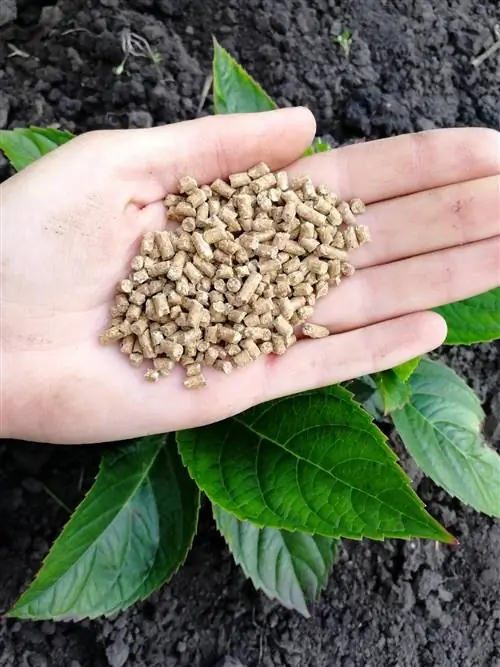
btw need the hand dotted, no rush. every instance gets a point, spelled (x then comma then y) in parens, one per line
(71, 223)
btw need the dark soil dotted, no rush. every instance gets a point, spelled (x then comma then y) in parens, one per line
(393, 604)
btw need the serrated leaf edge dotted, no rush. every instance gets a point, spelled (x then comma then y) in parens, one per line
(11, 613)
(450, 539)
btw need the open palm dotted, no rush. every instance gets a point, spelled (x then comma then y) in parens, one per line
(71, 224)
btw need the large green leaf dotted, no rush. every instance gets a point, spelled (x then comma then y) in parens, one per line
(235, 91)
(290, 567)
(474, 320)
(314, 463)
(23, 146)
(441, 428)
(129, 535)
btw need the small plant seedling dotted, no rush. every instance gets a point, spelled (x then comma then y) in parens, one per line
(287, 479)
(138, 47)
(344, 40)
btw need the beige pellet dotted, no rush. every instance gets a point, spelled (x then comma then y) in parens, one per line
(136, 359)
(204, 266)
(348, 216)
(309, 214)
(326, 234)
(160, 269)
(157, 338)
(139, 326)
(315, 330)
(193, 274)
(248, 289)
(258, 170)
(258, 333)
(210, 356)
(127, 344)
(266, 251)
(330, 252)
(172, 200)
(228, 216)
(214, 235)
(252, 348)
(289, 212)
(146, 345)
(264, 202)
(266, 347)
(244, 204)
(147, 243)
(177, 265)
(308, 244)
(239, 180)
(140, 277)
(321, 288)
(323, 206)
(165, 245)
(184, 210)
(316, 265)
(111, 335)
(233, 284)
(252, 320)
(224, 366)
(295, 278)
(193, 369)
(163, 366)
(222, 257)
(357, 206)
(201, 246)
(264, 183)
(347, 269)
(350, 238)
(214, 206)
(362, 234)
(133, 313)
(222, 188)
(187, 184)
(279, 344)
(188, 224)
(161, 305)
(197, 197)
(195, 382)
(293, 248)
(172, 350)
(243, 358)
(335, 217)
(282, 180)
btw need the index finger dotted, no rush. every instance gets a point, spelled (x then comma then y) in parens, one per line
(388, 168)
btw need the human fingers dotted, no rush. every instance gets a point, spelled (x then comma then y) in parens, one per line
(212, 147)
(432, 220)
(419, 283)
(318, 363)
(387, 168)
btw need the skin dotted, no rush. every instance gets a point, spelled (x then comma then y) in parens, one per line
(71, 223)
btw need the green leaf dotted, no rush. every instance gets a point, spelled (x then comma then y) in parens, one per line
(395, 393)
(235, 91)
(313, 463)
(128, 536)
(405, 371)
(23, 146)
(474, 320)
(441, 428)
(319, 145)
(289, 567)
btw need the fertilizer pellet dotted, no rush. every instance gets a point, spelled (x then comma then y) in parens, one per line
(243, 269)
